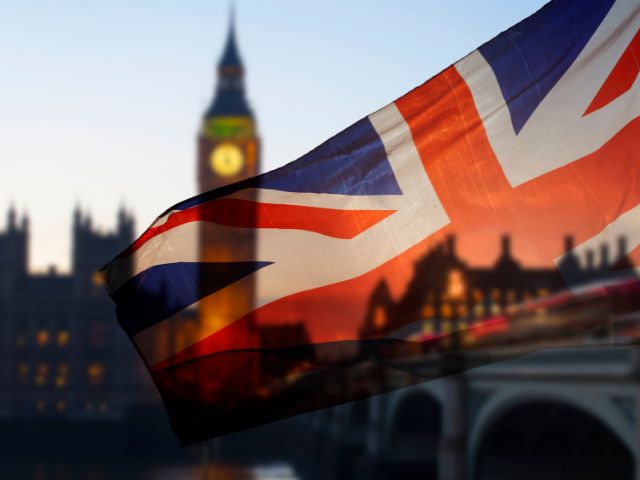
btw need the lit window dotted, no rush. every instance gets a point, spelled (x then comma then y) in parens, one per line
(61, 378)
(61, 406)
(495, 294)
(543, 292)
(455, 284)
(446, 310)
(63, 338)
(95, 372)
(251, 151)
(478, 310)
(427, 311)
(42, 370)
(477, 295)
(379, 318)
(97, 279)
(427, 328)
(41, 406)
(42, 338)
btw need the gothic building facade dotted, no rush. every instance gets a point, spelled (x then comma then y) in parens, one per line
(445, 292)
(63, 355)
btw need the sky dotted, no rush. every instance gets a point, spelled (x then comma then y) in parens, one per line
(100, 102)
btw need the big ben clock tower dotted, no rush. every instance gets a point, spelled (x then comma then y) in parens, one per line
(228, 151)
(228, 145)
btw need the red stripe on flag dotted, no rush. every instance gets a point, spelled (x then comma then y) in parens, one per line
(621, 77)
(235, 212)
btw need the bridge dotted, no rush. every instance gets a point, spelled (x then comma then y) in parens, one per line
(555, 413)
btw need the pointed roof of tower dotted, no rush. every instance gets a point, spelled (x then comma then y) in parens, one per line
(230, 55)
(229, 99)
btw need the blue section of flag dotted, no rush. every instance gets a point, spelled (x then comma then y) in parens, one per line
(531, 57)
(163, 290)
(354, 162)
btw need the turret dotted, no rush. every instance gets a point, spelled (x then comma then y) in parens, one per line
(451, 246)
(570, 265)
(125, 227)
(11, 219)
(604, 257)
(506, 260)
(590, 262)
(13, 252)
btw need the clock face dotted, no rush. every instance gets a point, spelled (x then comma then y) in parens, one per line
(226, 160)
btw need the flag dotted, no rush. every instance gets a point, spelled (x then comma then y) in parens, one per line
(530, 137)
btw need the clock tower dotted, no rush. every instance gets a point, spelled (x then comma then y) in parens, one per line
(228, 144)
(228, 151)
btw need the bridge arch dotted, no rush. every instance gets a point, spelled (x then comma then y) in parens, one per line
(552, 437)
(412, 433)
(397, 402)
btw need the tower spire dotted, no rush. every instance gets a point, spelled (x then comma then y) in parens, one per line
(229, 99)
(230, 57)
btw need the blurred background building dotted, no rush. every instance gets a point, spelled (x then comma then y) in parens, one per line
(63, 355)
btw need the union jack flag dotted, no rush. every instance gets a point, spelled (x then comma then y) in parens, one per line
(534, 134)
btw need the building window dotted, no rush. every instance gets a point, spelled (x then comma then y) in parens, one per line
(455, 285)
(103, 407)
(63, 338)
(42, 338)
(42, 370)
(62, 376)
(428, 328)
(97, 279)
(379, 318)
(95, 373)
(428, 311)
(446, 310)
(41, 406)
(61, 406)
(543, 292)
